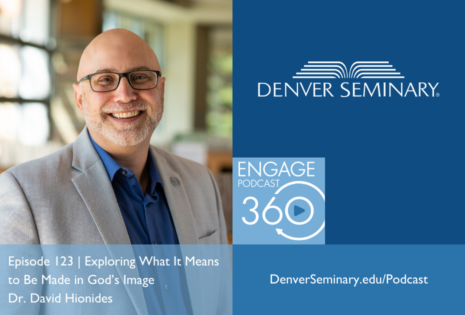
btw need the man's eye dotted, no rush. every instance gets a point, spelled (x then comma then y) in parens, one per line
(105, 80)
(140, 77)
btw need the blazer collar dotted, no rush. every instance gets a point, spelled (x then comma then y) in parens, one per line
(177, 198)
(94, 186)
(84, 154)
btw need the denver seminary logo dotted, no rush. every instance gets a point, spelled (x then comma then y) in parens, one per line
(360, 70)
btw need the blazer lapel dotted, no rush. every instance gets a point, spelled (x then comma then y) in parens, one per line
(178, 201)
(96, 190)
(183, 218)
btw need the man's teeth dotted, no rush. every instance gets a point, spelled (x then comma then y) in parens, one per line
(125, 115)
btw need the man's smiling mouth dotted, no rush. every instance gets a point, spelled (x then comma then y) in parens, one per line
(126, 115)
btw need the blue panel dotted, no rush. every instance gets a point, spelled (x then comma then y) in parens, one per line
(394, 165)
(385, 269)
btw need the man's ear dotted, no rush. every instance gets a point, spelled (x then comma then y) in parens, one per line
(78, 97)
(163, 79)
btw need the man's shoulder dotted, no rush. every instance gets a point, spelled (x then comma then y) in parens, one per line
(48, 164)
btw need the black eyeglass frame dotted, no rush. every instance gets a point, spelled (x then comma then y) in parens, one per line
(126, 75)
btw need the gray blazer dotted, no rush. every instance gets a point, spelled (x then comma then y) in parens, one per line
(67, 198)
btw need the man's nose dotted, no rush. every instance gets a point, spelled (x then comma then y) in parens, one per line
(125, 93)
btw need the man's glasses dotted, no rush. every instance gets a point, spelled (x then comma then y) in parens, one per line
(109, 81)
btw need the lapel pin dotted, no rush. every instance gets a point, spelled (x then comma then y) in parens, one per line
(175, 181)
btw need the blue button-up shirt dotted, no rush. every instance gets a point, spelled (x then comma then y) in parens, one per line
(148, 221)
(146, 215)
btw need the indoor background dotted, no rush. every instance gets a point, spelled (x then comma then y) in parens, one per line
(41, 42)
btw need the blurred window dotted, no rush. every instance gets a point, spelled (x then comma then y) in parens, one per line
(219, 86)
(25, 78)
(150, 31)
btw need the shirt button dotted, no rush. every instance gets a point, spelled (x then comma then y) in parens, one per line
(124, 172)
(166, 287)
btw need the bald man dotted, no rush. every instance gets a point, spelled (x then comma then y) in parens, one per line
(110, 186)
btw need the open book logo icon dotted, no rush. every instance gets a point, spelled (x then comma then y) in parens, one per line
(338, 70)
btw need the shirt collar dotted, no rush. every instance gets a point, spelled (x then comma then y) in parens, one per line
(112, 166)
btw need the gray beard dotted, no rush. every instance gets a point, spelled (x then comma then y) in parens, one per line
(128, 134)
